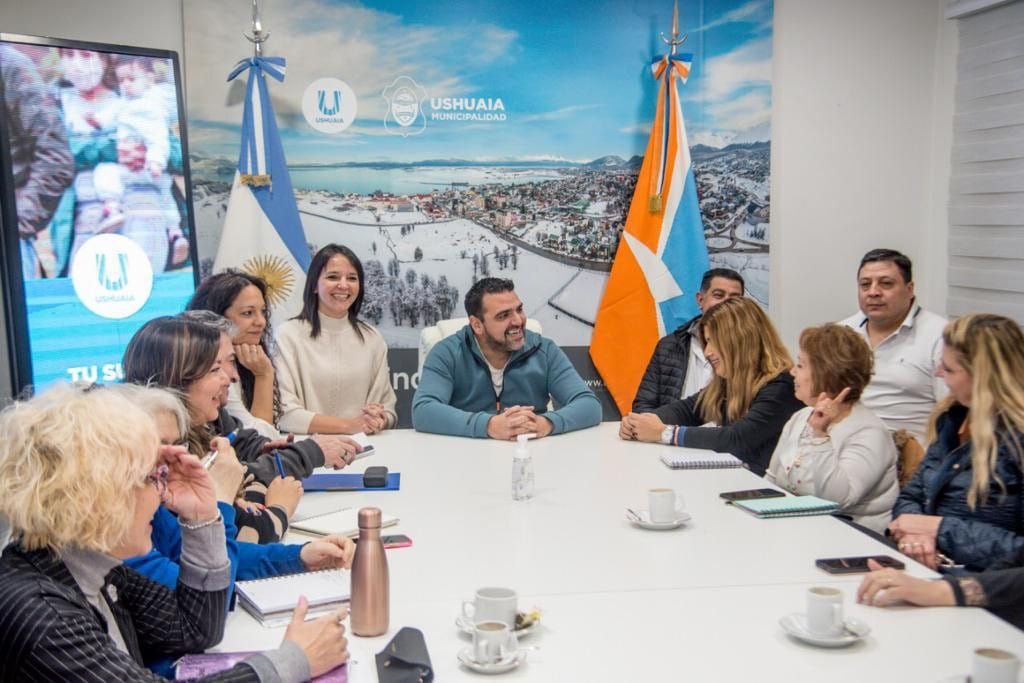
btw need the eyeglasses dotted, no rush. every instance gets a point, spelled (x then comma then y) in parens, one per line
(158, 478)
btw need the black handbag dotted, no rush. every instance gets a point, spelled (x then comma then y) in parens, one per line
(405, 659)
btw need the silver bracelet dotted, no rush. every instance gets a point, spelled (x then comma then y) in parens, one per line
(200, 525)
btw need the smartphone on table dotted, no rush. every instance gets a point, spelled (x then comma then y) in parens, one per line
(750, 494)
(856, 565)
(393, 541)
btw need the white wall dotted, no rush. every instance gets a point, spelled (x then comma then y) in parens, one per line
(146, 23)
(861, 134)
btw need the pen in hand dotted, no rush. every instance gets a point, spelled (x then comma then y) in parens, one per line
(280, 465)
(211, 457)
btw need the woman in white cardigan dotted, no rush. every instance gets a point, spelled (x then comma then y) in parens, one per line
(836, 448)
(333, 367)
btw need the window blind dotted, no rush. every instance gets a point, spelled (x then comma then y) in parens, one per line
(986, 212)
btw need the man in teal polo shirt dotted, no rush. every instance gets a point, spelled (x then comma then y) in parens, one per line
(493, 378)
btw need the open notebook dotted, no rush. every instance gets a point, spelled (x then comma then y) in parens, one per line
(344, 522)
(790, 506)
(276, 597)
(682, 458)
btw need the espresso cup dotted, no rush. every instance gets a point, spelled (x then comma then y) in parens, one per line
(824, 612)
(492, 640)
(661, 505)
(492, 604)
(990, 665)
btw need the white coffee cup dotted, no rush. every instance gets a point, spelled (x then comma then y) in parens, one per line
(492, 604)
(661, 505)
(492, 641)
(990, 665)
(824, 612)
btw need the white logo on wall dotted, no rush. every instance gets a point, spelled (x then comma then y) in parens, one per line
(112, 276)
(404, 114)
(329, 105)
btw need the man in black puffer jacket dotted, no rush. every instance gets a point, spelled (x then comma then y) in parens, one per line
(678, 368)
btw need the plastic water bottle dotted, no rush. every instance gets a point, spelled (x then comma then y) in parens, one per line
(522, 471)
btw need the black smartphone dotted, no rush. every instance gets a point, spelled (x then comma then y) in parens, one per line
(393, 541)
(750, 494)
(856, 565)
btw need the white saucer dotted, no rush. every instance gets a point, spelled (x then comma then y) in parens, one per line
(643, 520)
(466, 626)
(796, 625)
(506, 663)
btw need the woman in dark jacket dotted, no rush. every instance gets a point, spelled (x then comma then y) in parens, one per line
(966, 500)
(81, 474)
(750, 398)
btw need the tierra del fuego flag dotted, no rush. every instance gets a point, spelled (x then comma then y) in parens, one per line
(262, 232)
(662, 254)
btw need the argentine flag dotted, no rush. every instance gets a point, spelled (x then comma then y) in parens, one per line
(662, 255)
(262, 232)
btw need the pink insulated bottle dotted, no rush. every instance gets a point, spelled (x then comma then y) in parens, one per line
(370, 602)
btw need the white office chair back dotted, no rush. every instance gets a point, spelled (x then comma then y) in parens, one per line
(445, 328)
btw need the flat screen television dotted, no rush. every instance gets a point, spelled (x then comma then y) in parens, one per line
(97, 227)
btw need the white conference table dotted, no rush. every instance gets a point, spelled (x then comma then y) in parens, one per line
(700, 603)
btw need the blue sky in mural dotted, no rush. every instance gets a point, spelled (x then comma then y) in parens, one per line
(572, 77)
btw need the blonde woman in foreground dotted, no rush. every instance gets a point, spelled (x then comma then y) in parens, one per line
(965, 503)
(82, 472)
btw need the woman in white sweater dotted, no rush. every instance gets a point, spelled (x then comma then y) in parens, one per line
(333, 367)
(836, 448)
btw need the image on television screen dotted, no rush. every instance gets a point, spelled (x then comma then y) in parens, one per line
(95, 150)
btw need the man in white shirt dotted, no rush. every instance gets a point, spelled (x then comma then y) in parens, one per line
(906, 340)
(678, 368)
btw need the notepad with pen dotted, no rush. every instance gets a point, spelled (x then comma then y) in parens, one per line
(680, 458)
(790, 506)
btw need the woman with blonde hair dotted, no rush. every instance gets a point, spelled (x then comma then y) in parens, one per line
(749, 399)
(836, 448)
(965, 503)
(81, 474)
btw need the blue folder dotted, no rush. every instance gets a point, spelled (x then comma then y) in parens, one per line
(348, 482)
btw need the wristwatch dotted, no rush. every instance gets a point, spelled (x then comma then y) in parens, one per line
(666, 434)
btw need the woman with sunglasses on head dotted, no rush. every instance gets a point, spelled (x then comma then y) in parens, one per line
(749, 399)
(333, 367)
(81, 475)
(255, 399)
(966, 499)
(197, 359)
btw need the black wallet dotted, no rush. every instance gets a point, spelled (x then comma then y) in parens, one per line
(405, 659)
(375, 477)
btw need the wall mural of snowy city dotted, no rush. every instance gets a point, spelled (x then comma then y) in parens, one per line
(488, 138)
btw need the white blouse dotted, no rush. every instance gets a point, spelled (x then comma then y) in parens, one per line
(854, 466)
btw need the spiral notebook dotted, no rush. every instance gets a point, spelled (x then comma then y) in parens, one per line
(682, 458)
(276, 597)
(790, 506)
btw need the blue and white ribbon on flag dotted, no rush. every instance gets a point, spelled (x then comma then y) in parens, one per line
(262, 232)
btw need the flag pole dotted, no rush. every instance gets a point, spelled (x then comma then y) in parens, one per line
(259, 36)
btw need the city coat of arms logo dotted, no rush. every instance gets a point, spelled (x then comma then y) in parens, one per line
(404, 114)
